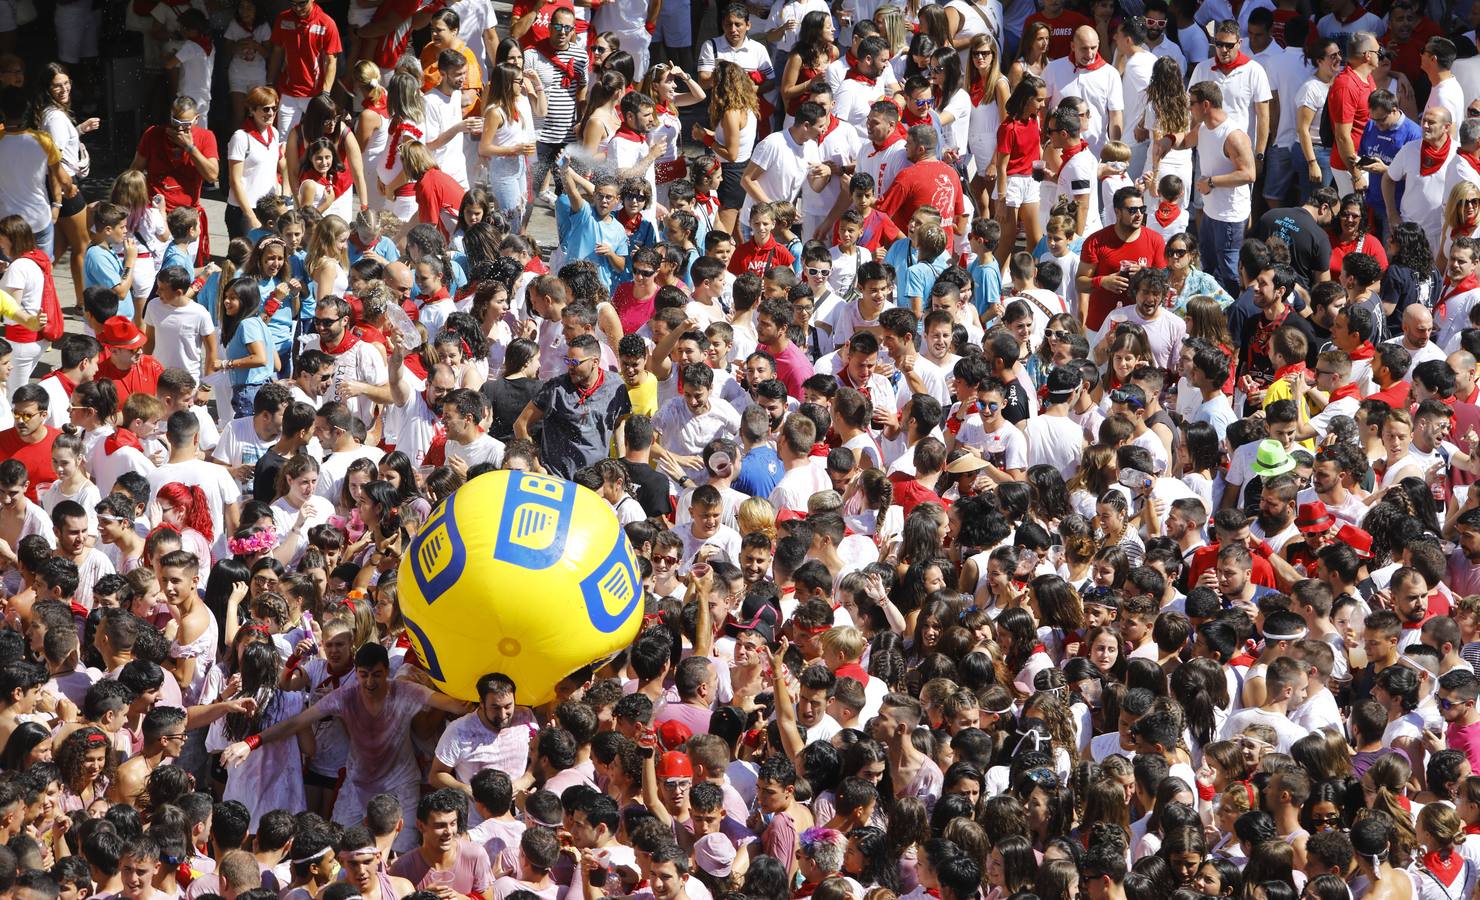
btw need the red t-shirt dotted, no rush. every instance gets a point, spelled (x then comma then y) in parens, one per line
(1204, 558)
(35, 457)
(1347, 102)
(1407, 53)
(1062, 28)
(390, 46)
(438, 199)
(759, 260)
(169, 169)
(1102, 254)
(306, 44)
(1022, 142)
(909, 493)
(143, 378)
(1395, 396)
(1364, 244)
(929, 182)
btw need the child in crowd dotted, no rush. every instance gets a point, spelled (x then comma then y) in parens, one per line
(846, 254)
(184, 225)
(1059, 233)
(1115, 159)
(1169, 218)
(109, 261)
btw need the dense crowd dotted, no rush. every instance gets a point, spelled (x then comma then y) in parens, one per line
(1141, 562)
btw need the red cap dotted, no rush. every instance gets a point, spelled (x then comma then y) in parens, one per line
(675, 765)
(1313, 518)
(1358, 539)
(120, 333)
(673, 734)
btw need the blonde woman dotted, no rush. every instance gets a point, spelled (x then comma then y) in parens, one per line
(1461, 218)
(508, 141)
(734, 108)
(989, 91)
(328, 257)
(891, 21)
(756, 514)
(407, 119)
(372, 125)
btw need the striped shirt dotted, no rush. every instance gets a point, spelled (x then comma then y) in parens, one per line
(560, 109)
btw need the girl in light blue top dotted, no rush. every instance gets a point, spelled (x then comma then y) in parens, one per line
(249, 359)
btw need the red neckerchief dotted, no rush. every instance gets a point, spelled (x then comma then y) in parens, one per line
(807, 889)
(664, 109)
(1341, 393)
(1472, 829)
(1094, 64)
(1445, 867)
(1240, 60)
(1072, 151)
(441, 294)
(335, 184)
(708, 202)
(832, 124)
(121, 437)
(819, 449)
(933, 892)
(397, 130)
(1468, 283)
(265, 139)
(1297, 369)
(628, 134)
(583, 395)
(345, 343)
(855, 75)
(1470, 158)
(630, 223)
(204, 43)
(1167, 213)
(567, 67)
(1429, 160)
(895, 136)
(68, 384)
(1358, 12)
(333, 678)
(976, 89)
(910, 117)
(380, 107)
(1365, 351)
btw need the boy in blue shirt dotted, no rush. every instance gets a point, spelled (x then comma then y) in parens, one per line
(102, 266)
(593, 231)
(184, 225)
(986, 274)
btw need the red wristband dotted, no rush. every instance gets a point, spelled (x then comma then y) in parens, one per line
(253, 741)
(197, 284)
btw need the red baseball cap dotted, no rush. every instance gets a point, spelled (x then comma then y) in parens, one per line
(120, 333)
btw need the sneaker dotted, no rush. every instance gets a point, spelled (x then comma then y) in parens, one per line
(547, 198)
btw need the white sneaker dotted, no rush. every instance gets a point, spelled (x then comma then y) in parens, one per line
(547, 197)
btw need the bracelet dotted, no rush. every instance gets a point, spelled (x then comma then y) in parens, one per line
(253, 741)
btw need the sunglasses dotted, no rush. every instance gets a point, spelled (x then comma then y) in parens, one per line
(644, 273)
(666, 560)
(1225, 45)
(321, 324)
(925, 103)
(1126, 397)
(562, 29)
(635, 198)
(1055, 334)
(1134, 210)
(1176, 254)
(571, 362)
(818, 273)
(1451, 704)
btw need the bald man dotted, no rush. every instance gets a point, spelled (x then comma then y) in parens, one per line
(1422, 184)
(1085, 74)
(1463, 364)
(1418, 328)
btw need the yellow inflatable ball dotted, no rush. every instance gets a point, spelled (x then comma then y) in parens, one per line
(522, 574)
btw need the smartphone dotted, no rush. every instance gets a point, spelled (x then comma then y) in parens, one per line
(1366, 160)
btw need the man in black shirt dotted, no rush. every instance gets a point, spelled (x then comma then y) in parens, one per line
(1302, 228)
(1274, 289)
(652, 485)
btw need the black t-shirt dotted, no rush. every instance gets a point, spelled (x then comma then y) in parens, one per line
(652, 488)
(1310, 248)
(264, 478)
(1015, 406)
(507, 398)
(1403, 287)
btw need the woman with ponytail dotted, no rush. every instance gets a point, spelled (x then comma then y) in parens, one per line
(186, 509)
(870, 508)
(271, 778)
(1442, 871)
(1385, 789)
(1378, 875)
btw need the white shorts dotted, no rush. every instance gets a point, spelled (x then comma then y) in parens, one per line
(290, 110)
(1019, 191)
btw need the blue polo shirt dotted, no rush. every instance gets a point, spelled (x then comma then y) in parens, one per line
(103, 268)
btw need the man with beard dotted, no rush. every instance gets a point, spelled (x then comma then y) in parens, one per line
(1157, 14)
(1409, 596)
(1463, 575)
(855, 94)
(493, 736)
(1337, 470)
(1164, 329)
(1275, 522)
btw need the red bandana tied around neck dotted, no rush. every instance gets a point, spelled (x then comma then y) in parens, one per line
(121, 437)
(583, 395)
(567, 67)
(910, 117)
(1094, 64)
(1447, 868)
(1073, 150)
(1240, 60)
(628, 134)
(1346, 390)
(1167, 213)
(204, 43)
(664, 109)
(68, 384)
(630, 223)
(1430, 159)
(333, 183)
(977, 90)
(820, 449)
(1468, 283)
(265, 138)
(1297, 369)
(855, 75)
(1365, 351)
(345, 343)
(1470, 158)
(380, 106)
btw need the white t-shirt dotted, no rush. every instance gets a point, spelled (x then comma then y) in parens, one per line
(686, 434)
(443, 111)
(783, 164)
(1423, 195)
(1077, 178)
(840, 145)
(1450, 95)
(485, 448)
(259, 163)
(1242, 88)
(1007, 443)
(196, 66)
(1100, 89)
(179, 334)
(1057, 441)
(240, 445)
(24, 281)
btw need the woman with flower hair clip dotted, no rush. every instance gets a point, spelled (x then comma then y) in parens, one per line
(86, 760)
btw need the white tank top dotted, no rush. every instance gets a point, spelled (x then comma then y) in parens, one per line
(747, 135)
(374, 152)
(1222, 204)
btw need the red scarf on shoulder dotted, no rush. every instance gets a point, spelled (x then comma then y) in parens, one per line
(567, 67)
(1241, 60)
(344, 345)
(121, 437)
